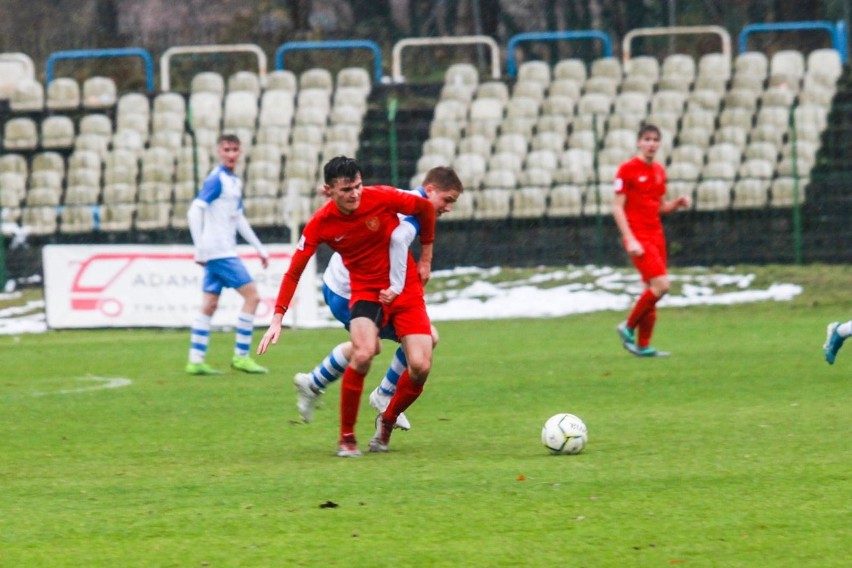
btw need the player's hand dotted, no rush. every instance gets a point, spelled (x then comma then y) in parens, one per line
(387, 296)
(272, 334)
(264, 262)
(424, 269)
(683, 202)
(633, 247)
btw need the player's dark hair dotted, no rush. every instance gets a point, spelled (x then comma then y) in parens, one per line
(648, 127)
(443, 179)
(340, 167)
(229, 138)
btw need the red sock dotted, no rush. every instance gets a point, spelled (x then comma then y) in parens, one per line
(644, 304)
(406, 393)
(350, 398)
(646, 328)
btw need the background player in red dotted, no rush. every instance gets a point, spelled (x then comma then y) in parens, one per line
(640, 190)
(357, 222)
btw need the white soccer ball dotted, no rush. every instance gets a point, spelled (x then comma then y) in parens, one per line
(564, 434)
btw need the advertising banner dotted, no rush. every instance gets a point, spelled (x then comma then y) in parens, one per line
(91, 286)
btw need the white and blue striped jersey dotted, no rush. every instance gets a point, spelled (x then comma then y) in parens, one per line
(221, 202)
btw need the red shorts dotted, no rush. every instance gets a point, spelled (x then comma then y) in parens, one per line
(407, 313)
(653, 262)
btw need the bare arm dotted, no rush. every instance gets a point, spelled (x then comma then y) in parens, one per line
(680, 202)
(631, 245)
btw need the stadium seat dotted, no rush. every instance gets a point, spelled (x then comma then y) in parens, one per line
(536, 177)
(704, 99)
(689, 153)
(515, 143)
(668, 101)
(752, 63)
(117, 217)
(736, 135)
(244, 81)
(458, 93)
(643, 66)
(493, 90)
(464, 74)
(761, 150)
(757, 168)
(137, 104)
(558, 105)
(14, 163)
(638, 84)
(492, 204)
(354, 78)
(529, 203)
(567, 88)
(717, 84)
(741, 98)
(13, 186)
(714, 194)
(119, 192)
(84, 176)
(607, 67)
(441, 146)
(551, 141)
(699, 119)
(241, 110)
(751, 193)
(602, 85)
(99, 93)
(208, 82)
(173, 102)
(542, 159)
(715, 65)
(152, 215)
(622, 139)
(97, 124)
(536, 71)
(282, 80)
(724, 152)
(786, 191)
(63, 93)
(584, 140)
(787, 67)
(316, 78)
(57, 133)
(14, 68)
(800, 168)
(475, 145)
(695, 136)
(82, 194)
(565, 201)
(28, 96)
(666, 120)
(470, 169)
(804, 150)
(20, 134)
(46, 179)
(451, 129)
(681, 178)
(49, 161)
(500, 179)
(574, 69)
(720, 170)
(179, 210)
(39, 220)
(91, 142)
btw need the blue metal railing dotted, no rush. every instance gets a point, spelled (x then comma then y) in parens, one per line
(103, 53)
(339, 44)
(511, 64)
(837, 32)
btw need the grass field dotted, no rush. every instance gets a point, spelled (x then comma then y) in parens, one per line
(733, 452)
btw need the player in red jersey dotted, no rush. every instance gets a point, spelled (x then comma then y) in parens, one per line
(640, 201)
(357, 222)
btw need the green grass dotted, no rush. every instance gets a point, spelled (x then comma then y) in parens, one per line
(733, 452)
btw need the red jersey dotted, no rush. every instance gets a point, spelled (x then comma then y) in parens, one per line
(644, 186)
(363, 240)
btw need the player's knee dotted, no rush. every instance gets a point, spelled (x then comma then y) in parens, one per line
(435, 337)
(362, 355)
(419, 368)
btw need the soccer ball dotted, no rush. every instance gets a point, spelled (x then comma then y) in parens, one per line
(564, 434)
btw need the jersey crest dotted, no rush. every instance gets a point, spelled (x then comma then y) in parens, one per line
(373, 223)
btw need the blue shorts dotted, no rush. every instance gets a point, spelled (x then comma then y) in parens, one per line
(339, 307)
(225, 273)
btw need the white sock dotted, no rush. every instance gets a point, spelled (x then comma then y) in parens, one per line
(845, 329)
(331, 368)
(199, 338)
(245, 326)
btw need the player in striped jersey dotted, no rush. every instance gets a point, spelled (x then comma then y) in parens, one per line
(215, 217)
